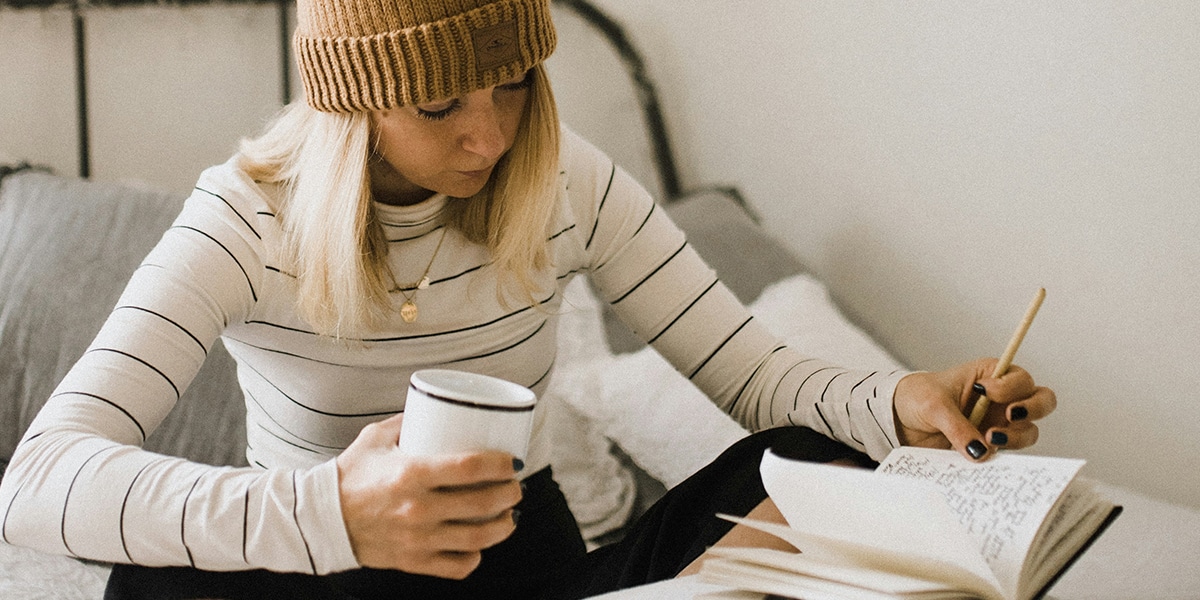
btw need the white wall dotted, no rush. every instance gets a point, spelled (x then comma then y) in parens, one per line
(936, 162)
(171, 89)
(37, 88)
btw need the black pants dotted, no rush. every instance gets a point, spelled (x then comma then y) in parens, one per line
(545, 557)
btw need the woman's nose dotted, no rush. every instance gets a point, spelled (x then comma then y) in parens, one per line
(484, 134)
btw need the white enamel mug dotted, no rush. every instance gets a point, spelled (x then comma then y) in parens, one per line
(451, 412)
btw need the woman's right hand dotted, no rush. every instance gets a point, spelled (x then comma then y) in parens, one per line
(425, 515)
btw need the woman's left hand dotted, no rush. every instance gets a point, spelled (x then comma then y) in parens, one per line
(931, 409)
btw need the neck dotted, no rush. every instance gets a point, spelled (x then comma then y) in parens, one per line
(390, 187)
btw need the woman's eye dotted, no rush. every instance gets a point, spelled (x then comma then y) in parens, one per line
(438, 114)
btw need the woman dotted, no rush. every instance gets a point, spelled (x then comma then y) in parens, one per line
(423, 208)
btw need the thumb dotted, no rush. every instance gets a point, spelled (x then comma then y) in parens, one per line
(385, 432)
(963, 436)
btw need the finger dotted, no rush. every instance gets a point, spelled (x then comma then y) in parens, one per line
(467, 469)
(383, 433)
(1016, 384)
(963, 436)
(475, 503)
(476, 535)
(448, 565)
(1041, 403)
(1022, 435)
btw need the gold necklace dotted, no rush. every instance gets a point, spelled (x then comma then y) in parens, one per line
(408, 310)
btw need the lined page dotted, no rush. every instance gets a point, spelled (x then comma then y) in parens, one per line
(906, 521)
(1001, 502)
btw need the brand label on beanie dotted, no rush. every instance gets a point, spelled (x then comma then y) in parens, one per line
(495, 45)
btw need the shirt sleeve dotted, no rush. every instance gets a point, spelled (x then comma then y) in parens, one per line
(79, 482)
(661, 288)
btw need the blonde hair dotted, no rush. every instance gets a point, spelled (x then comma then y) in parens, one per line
(333, 241)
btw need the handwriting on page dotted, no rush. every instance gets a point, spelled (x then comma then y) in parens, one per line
(997, 503)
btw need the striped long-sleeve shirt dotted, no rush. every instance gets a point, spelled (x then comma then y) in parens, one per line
(80, 484)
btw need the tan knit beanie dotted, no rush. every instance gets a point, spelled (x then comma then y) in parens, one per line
(360, 55)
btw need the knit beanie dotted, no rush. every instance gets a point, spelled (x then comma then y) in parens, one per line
(358, 55)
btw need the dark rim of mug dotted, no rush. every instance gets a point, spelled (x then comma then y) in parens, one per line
(470, 404)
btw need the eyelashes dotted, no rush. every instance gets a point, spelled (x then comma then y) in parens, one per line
(442, 114)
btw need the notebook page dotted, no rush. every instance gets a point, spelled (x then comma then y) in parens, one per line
(1001, 502)
(907, 519)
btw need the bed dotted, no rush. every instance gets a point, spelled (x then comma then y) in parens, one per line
(622, 462)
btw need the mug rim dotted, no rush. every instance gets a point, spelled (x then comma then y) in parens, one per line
(474, 390)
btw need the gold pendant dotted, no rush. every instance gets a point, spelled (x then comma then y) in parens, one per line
(408, 311)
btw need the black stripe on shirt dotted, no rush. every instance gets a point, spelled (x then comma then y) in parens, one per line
(545, 301)
(246, 521)
(67, 501)
(876, 417)
(8, 512)
(567, 274)
(720, 347)
(651, 275)
(850, 426)
(823, 419)
(504, 349)
(738, 396)
(253, 294)
(148, 365)
(235, 211)
(183, 522)
(296, 518)
(141, 429)
(778, 383)
(796, 403)
(124, 504)
(861, 382)
(596, 224)
(268, 414)
(549, 370)
(287, 441)
(642, 225)
(293, 354)
(555, 236)
(315, 410)
(684, 312)
(433, 282)
(466, 329)
(460, 274)
(163, 317)
(280, 271)
(830, 383)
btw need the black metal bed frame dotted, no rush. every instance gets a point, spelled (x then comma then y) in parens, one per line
(613, 33)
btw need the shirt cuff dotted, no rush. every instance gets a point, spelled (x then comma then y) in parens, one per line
(319, 512)
(880, 406)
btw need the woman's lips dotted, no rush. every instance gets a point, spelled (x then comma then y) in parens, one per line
(476, 174)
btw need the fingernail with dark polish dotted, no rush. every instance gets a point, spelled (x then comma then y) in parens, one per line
(976, 449)
(1018, 413)
(518, 464)
(979, 389)
(999, 438)
(516, 516)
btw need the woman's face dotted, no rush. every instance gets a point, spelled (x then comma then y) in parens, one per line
(448, 147)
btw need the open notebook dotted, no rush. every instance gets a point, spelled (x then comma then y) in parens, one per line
(925, 524)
